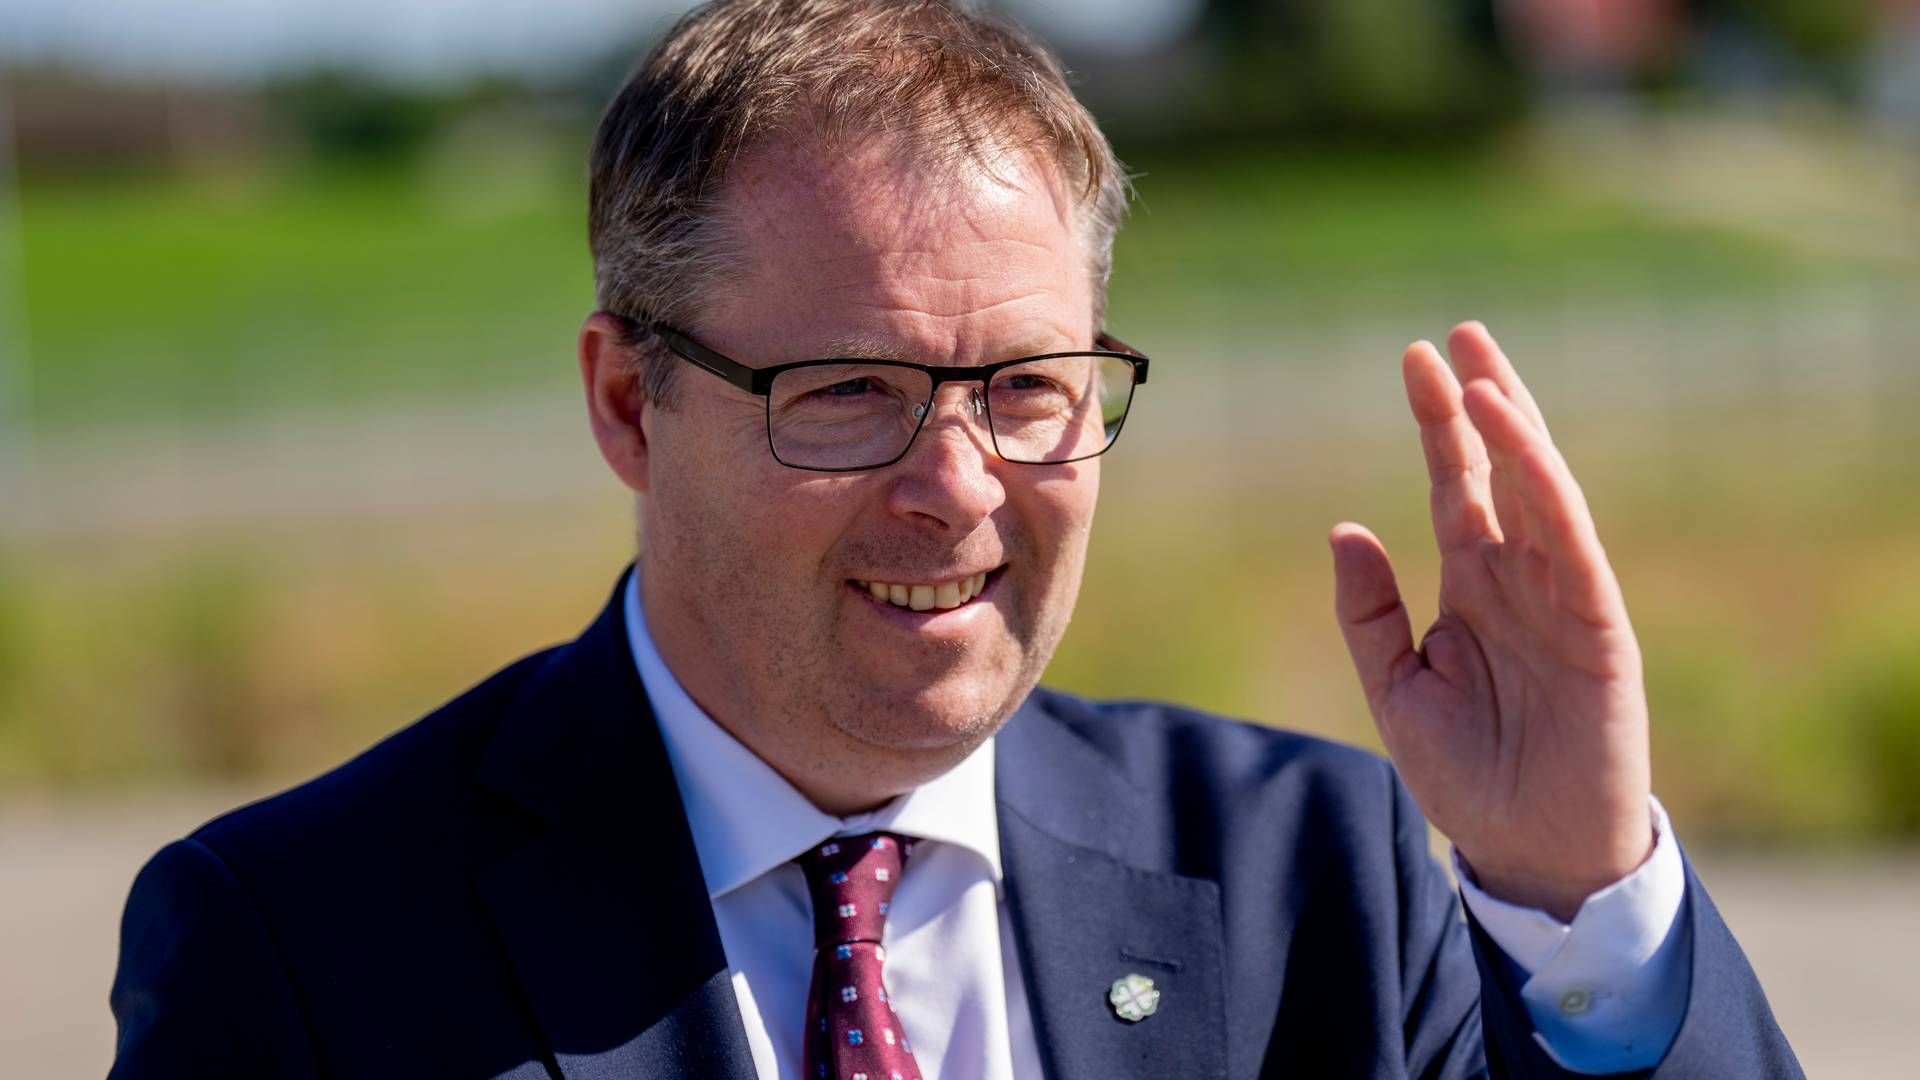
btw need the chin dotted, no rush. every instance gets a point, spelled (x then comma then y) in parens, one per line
(951, 714)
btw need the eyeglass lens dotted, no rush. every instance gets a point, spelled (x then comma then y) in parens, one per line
(852, 416)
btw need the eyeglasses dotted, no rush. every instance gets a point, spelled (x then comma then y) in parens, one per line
(846, 415)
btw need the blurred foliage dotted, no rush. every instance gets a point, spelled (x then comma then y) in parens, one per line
(205, 617)
(1825, 31)
(1403, 61)
(348, 117)
(465, 271)
(1351, 70)
(1882, 694)
(1780, 651)
(426, 248)
(1438, 72)
(14, 644)
(343, 116)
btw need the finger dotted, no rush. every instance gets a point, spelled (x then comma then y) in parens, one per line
(1551, 503)
(1457, 464)
(1477, 356)
(1583, 579)
(1366, 600)
(1508, 435)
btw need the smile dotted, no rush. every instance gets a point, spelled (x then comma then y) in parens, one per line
(927, 597)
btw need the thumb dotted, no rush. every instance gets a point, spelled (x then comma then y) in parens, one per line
(1366, 600)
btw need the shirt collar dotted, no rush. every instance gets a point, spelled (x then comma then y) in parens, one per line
(747, 819)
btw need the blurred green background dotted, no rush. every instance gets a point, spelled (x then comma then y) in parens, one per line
(293, 448)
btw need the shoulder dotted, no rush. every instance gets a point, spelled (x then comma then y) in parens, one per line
(1208, 791)
(1290, 824)
(1154, 742)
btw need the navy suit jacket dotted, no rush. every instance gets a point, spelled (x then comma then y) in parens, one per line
(508, 888)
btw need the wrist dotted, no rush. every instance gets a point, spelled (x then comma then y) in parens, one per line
(1557, 890)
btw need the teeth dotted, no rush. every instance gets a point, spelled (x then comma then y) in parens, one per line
(948, 594)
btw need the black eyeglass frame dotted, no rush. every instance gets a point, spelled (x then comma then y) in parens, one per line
(759, 382)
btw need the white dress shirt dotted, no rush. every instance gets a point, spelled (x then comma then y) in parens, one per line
(1600, 992)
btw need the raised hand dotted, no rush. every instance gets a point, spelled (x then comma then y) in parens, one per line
(1520, 722)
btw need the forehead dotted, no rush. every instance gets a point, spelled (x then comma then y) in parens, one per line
(870, 244)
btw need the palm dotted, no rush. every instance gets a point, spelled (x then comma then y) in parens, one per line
(1520, 723)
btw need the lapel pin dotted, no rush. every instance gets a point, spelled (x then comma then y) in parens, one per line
(1133, 998)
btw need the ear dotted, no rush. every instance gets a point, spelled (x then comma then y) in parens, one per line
(616, 405)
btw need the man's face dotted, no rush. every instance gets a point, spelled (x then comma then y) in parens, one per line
(750, 567)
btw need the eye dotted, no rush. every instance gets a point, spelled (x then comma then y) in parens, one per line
(847, 388)
(1027, 382)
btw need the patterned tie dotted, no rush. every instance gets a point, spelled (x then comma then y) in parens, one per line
(852, 1032)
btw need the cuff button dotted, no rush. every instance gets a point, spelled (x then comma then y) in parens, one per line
(1576, 1002)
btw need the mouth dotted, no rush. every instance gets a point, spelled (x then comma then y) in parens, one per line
(932, 595)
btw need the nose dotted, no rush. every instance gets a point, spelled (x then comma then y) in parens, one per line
(974, 403)
(951, 475)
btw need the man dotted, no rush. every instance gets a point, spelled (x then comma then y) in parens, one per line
(793, 805)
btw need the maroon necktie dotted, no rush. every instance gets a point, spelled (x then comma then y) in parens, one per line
(852, 1032)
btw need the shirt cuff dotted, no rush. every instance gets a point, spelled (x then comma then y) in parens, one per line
(1607, 992)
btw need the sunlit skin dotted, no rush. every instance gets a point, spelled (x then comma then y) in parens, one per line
(745, 564)
(1519, 721)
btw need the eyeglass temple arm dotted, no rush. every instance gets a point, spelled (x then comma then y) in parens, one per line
(727, 368)
(1110, 343)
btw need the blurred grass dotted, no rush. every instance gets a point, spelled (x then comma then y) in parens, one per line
(1763, 539)
(194, 296)
(1781, 657)
(191, 297)
(1231, 237)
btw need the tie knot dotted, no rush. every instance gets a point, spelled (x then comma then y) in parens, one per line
(852, 879)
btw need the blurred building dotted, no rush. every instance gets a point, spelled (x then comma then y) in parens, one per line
(1893, 68)
(65, 120)
(1604, 42)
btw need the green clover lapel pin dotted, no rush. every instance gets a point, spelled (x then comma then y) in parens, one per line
(1133, 998)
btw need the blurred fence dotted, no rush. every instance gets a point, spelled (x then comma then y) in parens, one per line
(1819, 366)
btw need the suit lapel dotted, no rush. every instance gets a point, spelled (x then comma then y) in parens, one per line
(1074, 836)
(602, 910)
(605, 918)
